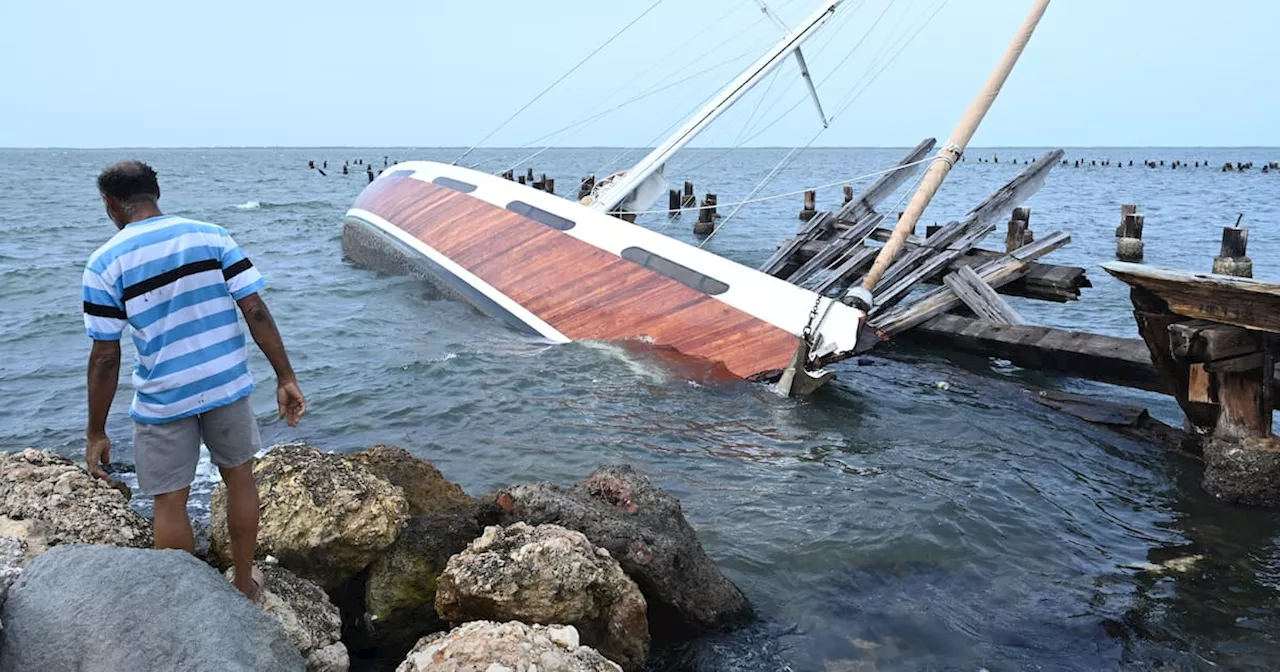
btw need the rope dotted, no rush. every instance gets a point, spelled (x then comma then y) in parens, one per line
(544, 92)
(775, 197)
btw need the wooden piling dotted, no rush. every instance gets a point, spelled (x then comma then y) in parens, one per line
(1019, 232)
(520, 179)
(930, 229)
(848, 194)
(810, 205)
(587, 185)
(1129, 243)
(509, 175)
(1232, 259)
(673, 202)
(528, 176)
(688, 200)
(706, 216)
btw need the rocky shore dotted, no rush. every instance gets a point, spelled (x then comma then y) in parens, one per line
(373, 561)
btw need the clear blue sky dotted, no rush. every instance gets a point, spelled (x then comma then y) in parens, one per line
(152, 73)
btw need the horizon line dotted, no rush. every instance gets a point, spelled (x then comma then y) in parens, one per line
(605, 147)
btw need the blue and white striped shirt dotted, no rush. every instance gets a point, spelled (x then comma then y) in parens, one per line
(176, 282)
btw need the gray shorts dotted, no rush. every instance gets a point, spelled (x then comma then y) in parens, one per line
(166, 455)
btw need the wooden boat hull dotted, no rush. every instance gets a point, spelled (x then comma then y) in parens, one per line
(559, 269)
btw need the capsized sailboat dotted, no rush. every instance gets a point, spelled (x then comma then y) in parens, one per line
(576, 270)
(569, 270)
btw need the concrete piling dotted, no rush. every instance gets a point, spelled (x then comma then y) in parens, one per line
(1129, 245)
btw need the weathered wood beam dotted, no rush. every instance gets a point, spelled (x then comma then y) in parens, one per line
(864, 205)
(1242, 302)
(860, 259)
(888, 296)
(980, 298)
(837, 248)
(995, 273)
(817, 225)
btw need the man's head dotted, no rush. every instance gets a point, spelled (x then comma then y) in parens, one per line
(129, 191)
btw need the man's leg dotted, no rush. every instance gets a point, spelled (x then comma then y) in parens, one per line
(242, 521)
(165, 457)
(231, 433)
(172, 526)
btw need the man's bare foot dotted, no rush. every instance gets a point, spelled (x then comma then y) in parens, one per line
(251, 586)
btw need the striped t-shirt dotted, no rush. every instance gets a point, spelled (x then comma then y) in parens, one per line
(176, 282)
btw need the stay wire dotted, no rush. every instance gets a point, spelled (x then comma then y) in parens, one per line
(551, 86)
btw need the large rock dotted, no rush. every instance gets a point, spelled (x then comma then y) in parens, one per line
(11, 557)
(483, 646)
(400, 592)
(547, 575)
(425, 488)
(644, 528)
(309, 619)
(48, 500)
(323, 516)
(102, 608)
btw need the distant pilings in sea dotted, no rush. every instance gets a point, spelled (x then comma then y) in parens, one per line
(322, 165)
(1175, 164)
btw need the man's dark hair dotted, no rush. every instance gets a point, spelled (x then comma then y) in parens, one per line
(129, 181)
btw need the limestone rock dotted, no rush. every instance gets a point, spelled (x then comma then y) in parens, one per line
(323, 516)
(309, 619)
(425, 488)
(400, 593)
(1243, 471)
(11, 556)
(642, 527)
(484, 646)
(103, 608)
(547, 575)
(53, 501)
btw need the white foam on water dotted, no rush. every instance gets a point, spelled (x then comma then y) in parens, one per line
(250, 205)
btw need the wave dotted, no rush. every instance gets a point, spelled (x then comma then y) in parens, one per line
(266, 205)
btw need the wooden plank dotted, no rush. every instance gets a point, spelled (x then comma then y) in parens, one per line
(860, 259)
(817, 225)
(1204, 341)
(933, 266)
(980, 298)
(1090, 409)
(1243, 302)
(856, 211)
(1199, 388)
(838, 247)
(994, 273)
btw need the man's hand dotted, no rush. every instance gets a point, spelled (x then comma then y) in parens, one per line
(292, 404)
(97, 452)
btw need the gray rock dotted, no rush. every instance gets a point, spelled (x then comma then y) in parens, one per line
(308, 617)
(483, 646)
(11, 556)
(642, 527)
(324, 516)
(400, 594)
(425, 488)
(1243, 471)
(550, 576)
(102, 608)
(57, 502)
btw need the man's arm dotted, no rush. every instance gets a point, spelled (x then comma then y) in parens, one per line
(104, 374)
(263, 328)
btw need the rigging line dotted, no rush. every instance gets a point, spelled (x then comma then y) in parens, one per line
(829, 75)
(828, 185)
(654, 88)
(772, 80)
(588, 57)
(587, 120)
(801, 100)
(903, 47)
(785, 162)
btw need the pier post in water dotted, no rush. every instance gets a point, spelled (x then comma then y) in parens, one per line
(1129, 242)
(587, 185)
(848, 194)
(1232, 259)
(706, 217)
(810, 205)
(1019, 232)
(688, 200)
(549, 184)
(673, 202)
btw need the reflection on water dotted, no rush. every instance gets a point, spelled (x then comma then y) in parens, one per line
(890, 522)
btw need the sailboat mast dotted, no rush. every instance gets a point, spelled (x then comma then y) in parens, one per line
(946, 158)
(621, 190)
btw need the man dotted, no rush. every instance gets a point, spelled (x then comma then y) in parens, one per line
(177, 283)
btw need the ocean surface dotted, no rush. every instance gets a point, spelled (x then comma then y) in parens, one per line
(886, 523)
